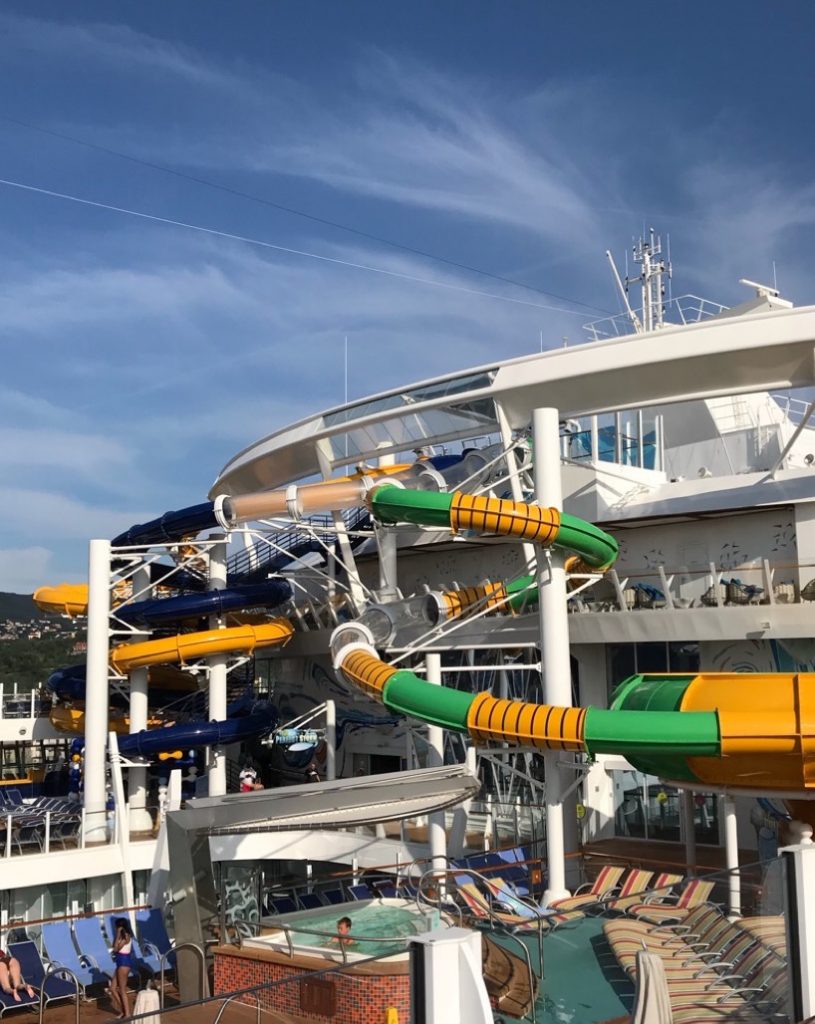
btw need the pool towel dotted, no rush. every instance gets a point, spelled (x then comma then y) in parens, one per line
(147, 1002)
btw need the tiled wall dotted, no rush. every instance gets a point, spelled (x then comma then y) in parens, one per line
(360, 998)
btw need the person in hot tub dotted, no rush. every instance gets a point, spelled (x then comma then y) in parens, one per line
(343, 937)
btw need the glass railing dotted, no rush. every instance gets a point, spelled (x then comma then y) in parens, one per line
(659, 587)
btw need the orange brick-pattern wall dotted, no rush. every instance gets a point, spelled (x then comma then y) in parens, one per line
(360, 998)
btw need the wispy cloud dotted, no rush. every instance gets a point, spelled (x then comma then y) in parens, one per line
(22, 570)
(118, 45)
(36, 513)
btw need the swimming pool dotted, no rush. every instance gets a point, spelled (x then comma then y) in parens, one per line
(582, 983)
(372, 921)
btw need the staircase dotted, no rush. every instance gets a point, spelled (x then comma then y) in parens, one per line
(507, 979)
(255, 564)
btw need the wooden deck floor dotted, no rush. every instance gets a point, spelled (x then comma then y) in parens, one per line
(101, 1012)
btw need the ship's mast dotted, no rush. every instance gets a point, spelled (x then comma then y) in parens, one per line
(647, 253)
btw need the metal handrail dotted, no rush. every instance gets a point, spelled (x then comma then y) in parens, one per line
(497, 925)
(230, 999)
(163, 959)
(51, 972)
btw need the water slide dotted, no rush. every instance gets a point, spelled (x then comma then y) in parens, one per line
(708, 729)
(162, 653)
(743, 731)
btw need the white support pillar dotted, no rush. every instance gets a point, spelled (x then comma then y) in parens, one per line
(123, 833)
(216, 773)
(554, 628)
(330, 740)
(356, 590)
(386, 542)
(799, 888)
(731, 846)
(140, 818)
(435, 758)
(461, 815)
(96, 691)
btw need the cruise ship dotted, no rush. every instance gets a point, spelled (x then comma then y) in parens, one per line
(489, 697)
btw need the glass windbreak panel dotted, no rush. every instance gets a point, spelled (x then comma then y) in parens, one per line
(424, 393)
(683, 656)
(663, 811)
(645, 807)
(416, 429)
(622, 663)
(706, 818)
(652, 657)
(240, 888)
(630, 811)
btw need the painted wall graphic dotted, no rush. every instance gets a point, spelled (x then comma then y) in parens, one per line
(789, 655)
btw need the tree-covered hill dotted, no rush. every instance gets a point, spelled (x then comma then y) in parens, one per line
(30, 662)
(19, 607)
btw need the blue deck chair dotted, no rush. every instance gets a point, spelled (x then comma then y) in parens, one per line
(387, 890)
(153, 933)
(33, 970)
(92, 944)
(284, 905)
(59, 949)
(146, 959)
(309, 901)
(360, 892)
(10, 1003)
(14, 797)
(334, 896)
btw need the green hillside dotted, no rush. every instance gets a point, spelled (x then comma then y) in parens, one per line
(18, 606)
(30, 662)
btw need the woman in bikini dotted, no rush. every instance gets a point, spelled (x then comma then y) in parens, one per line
(123, 957)
(11, 978)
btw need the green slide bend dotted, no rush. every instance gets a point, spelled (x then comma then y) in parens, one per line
(391, 504)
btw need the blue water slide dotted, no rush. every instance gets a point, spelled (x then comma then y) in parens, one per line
(171, 526)
(178, 579)
(261, 719)
(213, 602)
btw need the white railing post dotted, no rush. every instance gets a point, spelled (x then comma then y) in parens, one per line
(8, 835)
(47, 840)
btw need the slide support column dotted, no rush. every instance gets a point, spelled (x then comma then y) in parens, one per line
(330, 740)
(97, 696)
(216, 773)
(140, 818)
(435, 758)
(731, 840)
(554, 629)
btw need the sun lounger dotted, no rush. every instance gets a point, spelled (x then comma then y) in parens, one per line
(485, 909)
(153, 935)
(662, 887)
(693, 895)
(59, 949)
(603, 886)
(309, 900)
(360, 892)
(92, 944)
(34, 971)
(334, 896)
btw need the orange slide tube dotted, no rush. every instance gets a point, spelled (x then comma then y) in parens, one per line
(191, 646)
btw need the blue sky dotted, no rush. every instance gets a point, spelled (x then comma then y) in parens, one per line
(522, 138)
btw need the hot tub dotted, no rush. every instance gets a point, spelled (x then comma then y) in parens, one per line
(373, 922)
